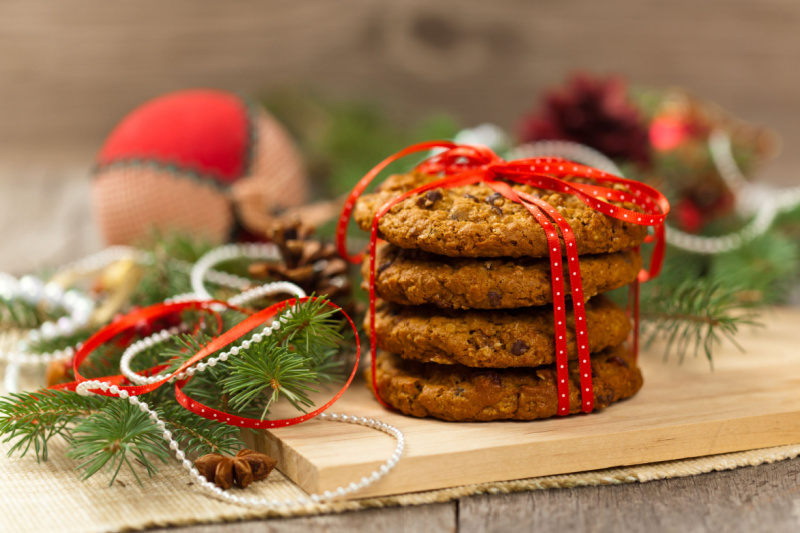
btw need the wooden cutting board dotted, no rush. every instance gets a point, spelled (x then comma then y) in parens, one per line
(750, 400)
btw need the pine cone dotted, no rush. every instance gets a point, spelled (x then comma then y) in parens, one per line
(595, 112)
(309, 263)
(243, 469)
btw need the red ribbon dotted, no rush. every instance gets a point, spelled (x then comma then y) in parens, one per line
(461, 165)
(152, 313)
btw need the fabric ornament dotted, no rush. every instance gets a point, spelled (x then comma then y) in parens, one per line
(199, 160)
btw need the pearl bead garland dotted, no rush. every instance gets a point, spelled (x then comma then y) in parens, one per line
(240, 299)
(34, 291)
(80, 307)
(202, 268)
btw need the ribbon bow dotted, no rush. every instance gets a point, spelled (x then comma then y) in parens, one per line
(460, 165)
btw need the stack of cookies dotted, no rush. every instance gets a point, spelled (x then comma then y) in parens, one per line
(464, 320)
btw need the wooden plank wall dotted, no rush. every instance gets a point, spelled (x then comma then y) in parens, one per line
(70, 70)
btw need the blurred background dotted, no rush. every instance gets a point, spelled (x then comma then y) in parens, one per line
(70, 71)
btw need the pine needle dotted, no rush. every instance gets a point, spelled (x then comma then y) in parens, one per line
(114, 435)
(198, 435)
(696, 315)
(764, 267)
(289, 363)
(36, 417)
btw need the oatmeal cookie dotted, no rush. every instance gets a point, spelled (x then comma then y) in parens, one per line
(459, 393)
(475, 221)
(412, 277)
(522, 337)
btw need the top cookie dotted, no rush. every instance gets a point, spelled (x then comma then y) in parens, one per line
(474, 221)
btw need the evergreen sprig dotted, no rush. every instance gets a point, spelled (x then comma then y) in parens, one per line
(36, 417)
(18, 313)
(695, 315)
(113, 436)
(288, 363)
(274, 369)
(764, 267)
(198, 435)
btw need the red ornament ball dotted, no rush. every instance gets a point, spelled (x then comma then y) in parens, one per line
(194, 161)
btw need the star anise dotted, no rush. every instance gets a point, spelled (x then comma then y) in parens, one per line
(244, 468)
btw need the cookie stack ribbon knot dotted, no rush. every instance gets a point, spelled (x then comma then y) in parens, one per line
(618, 209)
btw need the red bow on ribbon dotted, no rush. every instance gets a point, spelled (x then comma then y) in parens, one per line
(461, 165)
(155, 312)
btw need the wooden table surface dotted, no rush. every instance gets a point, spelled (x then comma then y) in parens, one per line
(762, 498)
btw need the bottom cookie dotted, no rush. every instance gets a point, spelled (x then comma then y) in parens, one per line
(459, 393)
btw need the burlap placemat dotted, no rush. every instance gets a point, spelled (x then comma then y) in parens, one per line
(50, 496)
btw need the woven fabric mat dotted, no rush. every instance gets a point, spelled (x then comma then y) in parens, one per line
(50, 496)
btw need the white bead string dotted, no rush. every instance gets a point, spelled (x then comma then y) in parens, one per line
(761, 203)
(203, 267)
(111, 254)
(80, 306)
(34, 291)
(85, 387)
(161, 336)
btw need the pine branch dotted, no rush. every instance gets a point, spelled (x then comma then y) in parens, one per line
(114, 435)
(763, 267)
(312, 328)
(20, 314)
(37, 417)
(199, 435)
(289, 363)
(695, 315)
(108, 429)
(272, 369)
(205, 386)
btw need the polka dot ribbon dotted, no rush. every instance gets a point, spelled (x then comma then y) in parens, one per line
(156, 312)
(460, 165)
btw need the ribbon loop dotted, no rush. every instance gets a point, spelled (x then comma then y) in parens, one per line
(217, 343)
